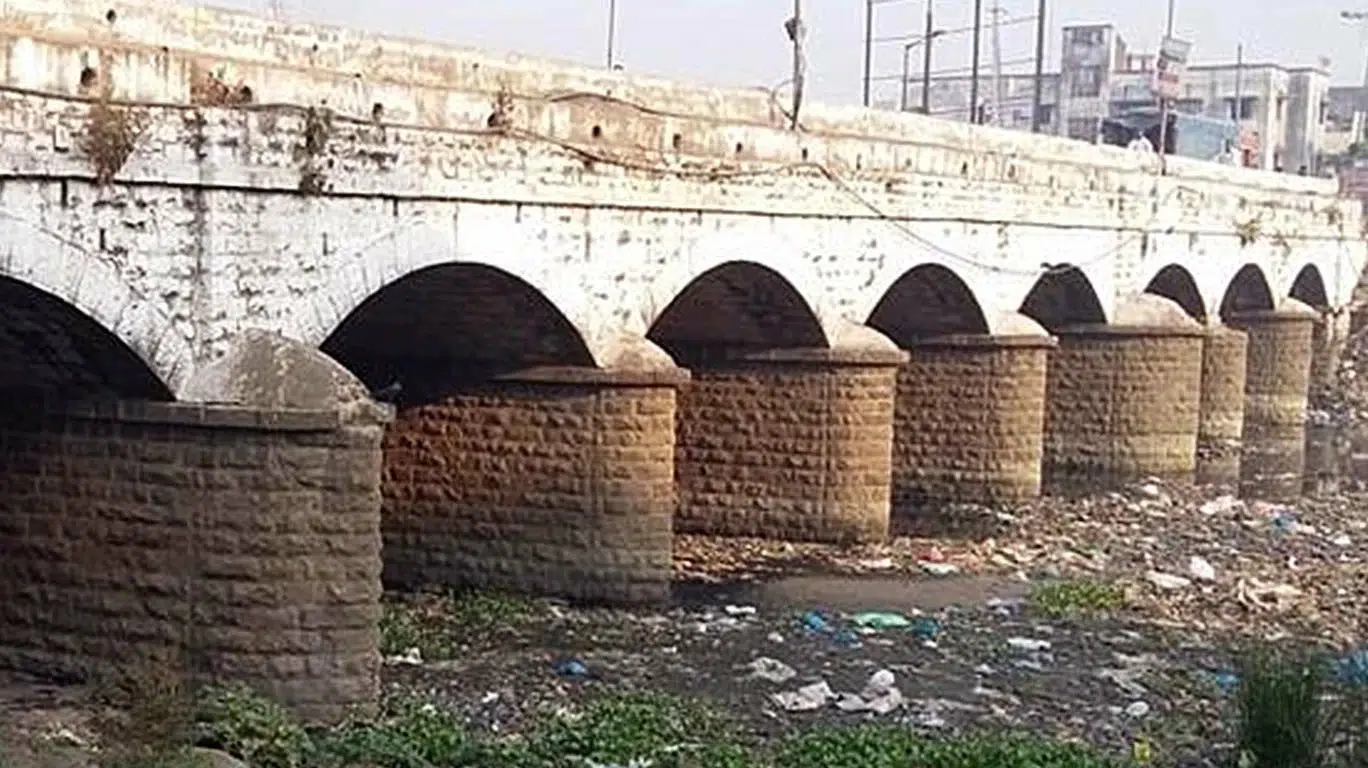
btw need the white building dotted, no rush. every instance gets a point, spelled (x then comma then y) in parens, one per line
(1281, 112)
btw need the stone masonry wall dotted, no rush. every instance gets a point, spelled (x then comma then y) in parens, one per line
(968, 424)
(558, 484)
(286, 212)
(1277, 379)
(787, 448)
(1220, 426)
(1121, 404)
(244, 545)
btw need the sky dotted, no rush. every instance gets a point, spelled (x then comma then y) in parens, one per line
(742, 42)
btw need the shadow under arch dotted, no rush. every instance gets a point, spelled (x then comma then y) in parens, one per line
(1176, 283)
(926, 301)
(1248, 291)
(736, 307)
(1309, 288)
(51, 349)
(1063, 296)
(449, 325)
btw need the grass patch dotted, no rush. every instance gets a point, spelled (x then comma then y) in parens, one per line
(437, 624)
(664, 731)
(1068, 599)
(1291, 712)
(146, 719)
(897, 747)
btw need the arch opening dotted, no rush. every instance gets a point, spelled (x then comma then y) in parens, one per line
(1248, 291)
(1309, 288)
(448, 326)
(735, 307)
(1062, 297)
(927, 300)
(1176, 283)
(50, 349)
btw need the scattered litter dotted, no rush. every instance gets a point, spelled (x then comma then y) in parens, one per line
(571, 668)
(880, 696)
(775, 637)
(740, 610)
(1028, 644)
(939, 569)
(814, 621)
(926, 628)
(879, 564)
(805, 699)
(1201, 569)
(1138, 709)
(413, 657)
(1221, 505)
(1352, 669)
(1225, 680)
(880, 620)
(1167, 581)
(772, 670)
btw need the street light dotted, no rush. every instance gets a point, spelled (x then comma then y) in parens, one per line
(869, 42)
(907, 65)
(1361, 18)
(612, 32)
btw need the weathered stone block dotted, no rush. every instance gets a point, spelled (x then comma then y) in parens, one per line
(538, 486)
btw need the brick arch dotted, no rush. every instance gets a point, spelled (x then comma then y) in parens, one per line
(446, 326)
(1063, 296)
(927, 300)
(1248, 290)
(1309, 288)
(92, 287)
(736, 306)
(50, 348)
(1176, 283)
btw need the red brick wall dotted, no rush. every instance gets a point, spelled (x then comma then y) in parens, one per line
(245, 542)
(553, 486)
(787, 449)
(969, 421)
(1121, 404)
(1277, 379)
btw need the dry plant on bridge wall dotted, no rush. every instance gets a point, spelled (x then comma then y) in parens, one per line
(111, 135)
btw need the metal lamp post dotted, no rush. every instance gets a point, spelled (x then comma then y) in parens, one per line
(612, 32)
(907, 66)
(1361, 18)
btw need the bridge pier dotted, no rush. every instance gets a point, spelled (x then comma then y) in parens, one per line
(223, 543)
(788, 444)
(968, 422)
(1220, 425)
(552, 481)
(1277, 380)
(1122, 400)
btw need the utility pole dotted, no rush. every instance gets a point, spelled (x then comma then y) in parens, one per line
(1038, 91)
(998, 96)
(930, 36)
(869, 47)
(612, 32)
(1164, 103)
(1239, 100)
(797, 33)
(1361, 103)
(974, 77)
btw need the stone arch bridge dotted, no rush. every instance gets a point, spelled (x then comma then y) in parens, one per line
(614, 308)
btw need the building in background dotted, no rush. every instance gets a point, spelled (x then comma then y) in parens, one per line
(1281, 112)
